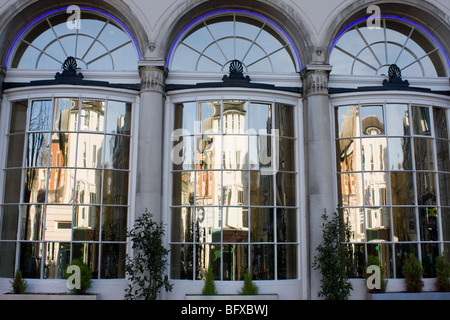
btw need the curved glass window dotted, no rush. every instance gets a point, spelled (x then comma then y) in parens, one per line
(213, 41)
(65, 193)
(360, 50)
(234, 195)
(393, 178)
(100, 42)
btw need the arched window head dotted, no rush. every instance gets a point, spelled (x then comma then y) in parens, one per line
(213, 41)
(97, 40)
(361, 49)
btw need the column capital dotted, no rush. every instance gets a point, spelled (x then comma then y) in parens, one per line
(315, 79)
(153, 77)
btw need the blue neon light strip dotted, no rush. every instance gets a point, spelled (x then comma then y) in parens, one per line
(239, 11)
(395, 18)
(65, 9)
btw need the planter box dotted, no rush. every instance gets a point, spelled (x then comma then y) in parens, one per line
(411, 296)
(48, 296)
(269, 296)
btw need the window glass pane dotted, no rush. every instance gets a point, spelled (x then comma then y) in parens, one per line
(374, 155)
(32, 222)
(61, 186)
(260, 118)
(400, 157)
(30, 258)
(235, 224)
(398, 122)
(11, 191)
(286, 154)
(443, 155)
(404, 224)
(426, 188)
(350, 191)
(15, 150)
(378, 224)
(348, 153)
(208, 188)
(261, 189)
(440, 123)
(182, 261)
(235, 261)
(182, 155)
(114, 227)
(235, 188)
(421, 120)
(286, 225)
(372, 120)
(113, 260)
(8, 222)
(208, 256)
(58, 223)
(347, 122)
(38, 150)
(287, 261)
(8, 254)
(445, 216)
(115, 187)
(41, 114)
(444, 189)
(18, 119)
(57, 259)
(262, 261)
(86, 223)
(375, 186)
(284, 120)
(87, 253)
(63, 150)
(92, 115)
(183, 188)
(262, 225)
(35, 185)
(182, 224)
(118, 118)
(235, 116)
(286, 189)
(357, 260)
(355, 218)
(383, 252)
(208, 151)
(430, 251)
(424, 154)
(235, 152)
(401, 195)
(66, 114)
(185, 117)
(428, 218)
(209, 224)
(117, 152)
(209, 117)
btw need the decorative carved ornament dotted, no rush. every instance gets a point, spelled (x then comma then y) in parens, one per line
(152, 78)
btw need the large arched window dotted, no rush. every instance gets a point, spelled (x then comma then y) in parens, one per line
(364, 50)
(99, 42)
(211, 42)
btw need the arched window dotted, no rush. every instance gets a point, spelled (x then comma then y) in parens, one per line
(99, 42)
(211, 42)
(363, 50)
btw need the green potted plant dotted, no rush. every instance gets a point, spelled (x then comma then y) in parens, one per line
(412, 270)
(374, 261)
(209, 289)
(249, 288)
(442, 274)
(85, 277)
(333, 259)
(19, 285)
(146, 270)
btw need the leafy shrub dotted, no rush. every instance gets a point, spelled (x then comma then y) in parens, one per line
(442, 274)
(249, 288)
(412, 270)
(372, 260)
(209, 288)
(19, 285)
(85, 277)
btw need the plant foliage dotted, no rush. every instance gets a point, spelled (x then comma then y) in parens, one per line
(372, 260)
(442, 274)
(209, 289)
(146, 270)
(412, 270)
(333, 259)
(85, 277)
(249, 288)
(19, 285)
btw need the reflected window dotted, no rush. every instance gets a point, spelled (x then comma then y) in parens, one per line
(234, 190)
(215, 40)
(100, 43)
(393, 180)
(74, 191)
(360, 50)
